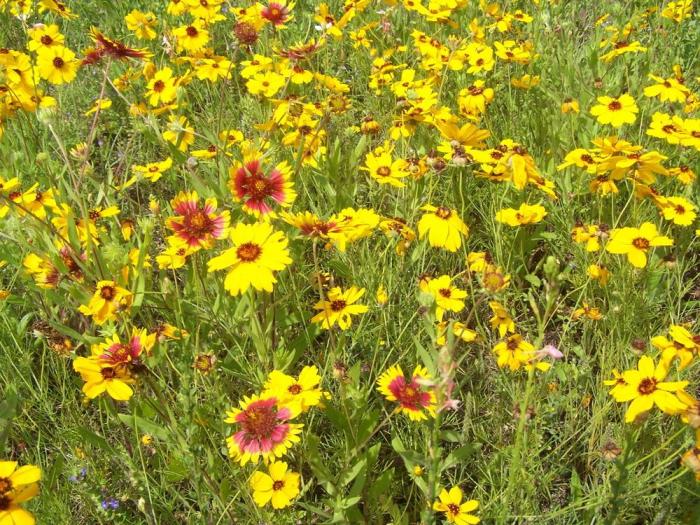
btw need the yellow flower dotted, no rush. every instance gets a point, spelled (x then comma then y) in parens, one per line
(514, 352)
(179, 132)
(57, 64)
(667, 90)
(615, 111)
(279, 487)
(266, 84)
(599, 273)
(385, 170)
(678, 210)
(192, 37)
(304, 391)
(645, 387)
(446, 296)
(107, 301)
(381, 295)
(443, 227)
(338, 307)
(17, 485)
(570, 105)
(162, 88)
(142, 24)
(455, 511)
(258, 251)
(101, 376)
(525, 214)
(501, 319)
(636, 242)
(43, 36)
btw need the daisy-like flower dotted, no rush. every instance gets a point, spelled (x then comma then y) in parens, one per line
(192, 37)
(57, 64)
(636, 242)
(17, 486)
(100, 377)
(264, 429)
(415, 399)
(113, 352)
(179, 132)
(258, 190)
(525, 214)
(106, 302)
(678, 210)
(197, 225)
(258, 251)
(278, 13)
(501, 319)
(385, 170)
(515, 352)
(278, 487)
(162, 88)
(447, 297)
(304, 390)
(450, 503)
(443, 227)
(615, 111)
(339, 307)
(646, 387)
(153, 170)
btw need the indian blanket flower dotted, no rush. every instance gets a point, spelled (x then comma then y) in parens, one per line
(443, 227)
(278, 487)
(195, 224)
(107, 301)
(636, 242)
(303, 391)
(525, 214)
(447, 297)
(415, 399)
(17, 486)
(338, 307)
(450, 503)
(615, 111)
(260, 191)
(263, 431)
(258, 252)
(646, 387)
(114, 352)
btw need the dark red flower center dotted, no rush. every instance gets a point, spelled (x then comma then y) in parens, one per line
(58, 62)
(615, 105)
(647, 386)
(278, 485)
(641, 243)
(158, 86)
(295, 389)
(260, 420)
(198, 223)
(453, 509)
(248, 252)
(107, 293)
(191, 31)
(443, 213)
(338, 305)
(5, 503)
(5, 485)
(46, 40)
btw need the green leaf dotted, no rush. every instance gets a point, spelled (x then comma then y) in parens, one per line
(143, 426)
(95, 440)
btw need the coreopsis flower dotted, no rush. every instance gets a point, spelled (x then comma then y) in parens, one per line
(474, 99)
(107, 301)
(588, 234)
(162, 87)
(397, 227)
(494, 279)
(636, 242)
(646, 387)
(266, 84)
(153, 171)
(683, 174)
(525, 214)
(683, 346)
(258, 252)
(213, 69)
(570, 105)
(615, 111)
(515, 352)
(446, 296)
(179, 132)
(450, 503)
(414, 398)
(459, 330)
(678, 210)
(260, 191)
(100, 376)
(501, 319)
(443, 227)
(338, 307)
(278, 487)
(175, 256)
(17, 486)
(43, 36)
(263, 431)
(678, 11)
(598, 273)
(141, 24)
(587, 311)
(303, 391)
(192, 37)
(621, 47)
(384, 169)
(667, 89)
(194, 224)
(57, 64)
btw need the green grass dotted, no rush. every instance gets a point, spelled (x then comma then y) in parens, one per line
(356, 461)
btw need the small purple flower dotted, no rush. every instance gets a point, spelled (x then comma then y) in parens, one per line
(110, 503)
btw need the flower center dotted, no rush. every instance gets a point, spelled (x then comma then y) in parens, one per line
(58, 62)
(615, 105)
(260, 421)
(338, 305)
(192, 31)
(278, 485)
(248, 252)
(295, 389)
(108, 373)
(641, 243)
(198, 223)
(383, 171)
(647, 386)
(107, 293)
(5, 485)
(158, 86)
(443, 213)
(445, 292)
(5, 503)
(46, 40)
(453, 509)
